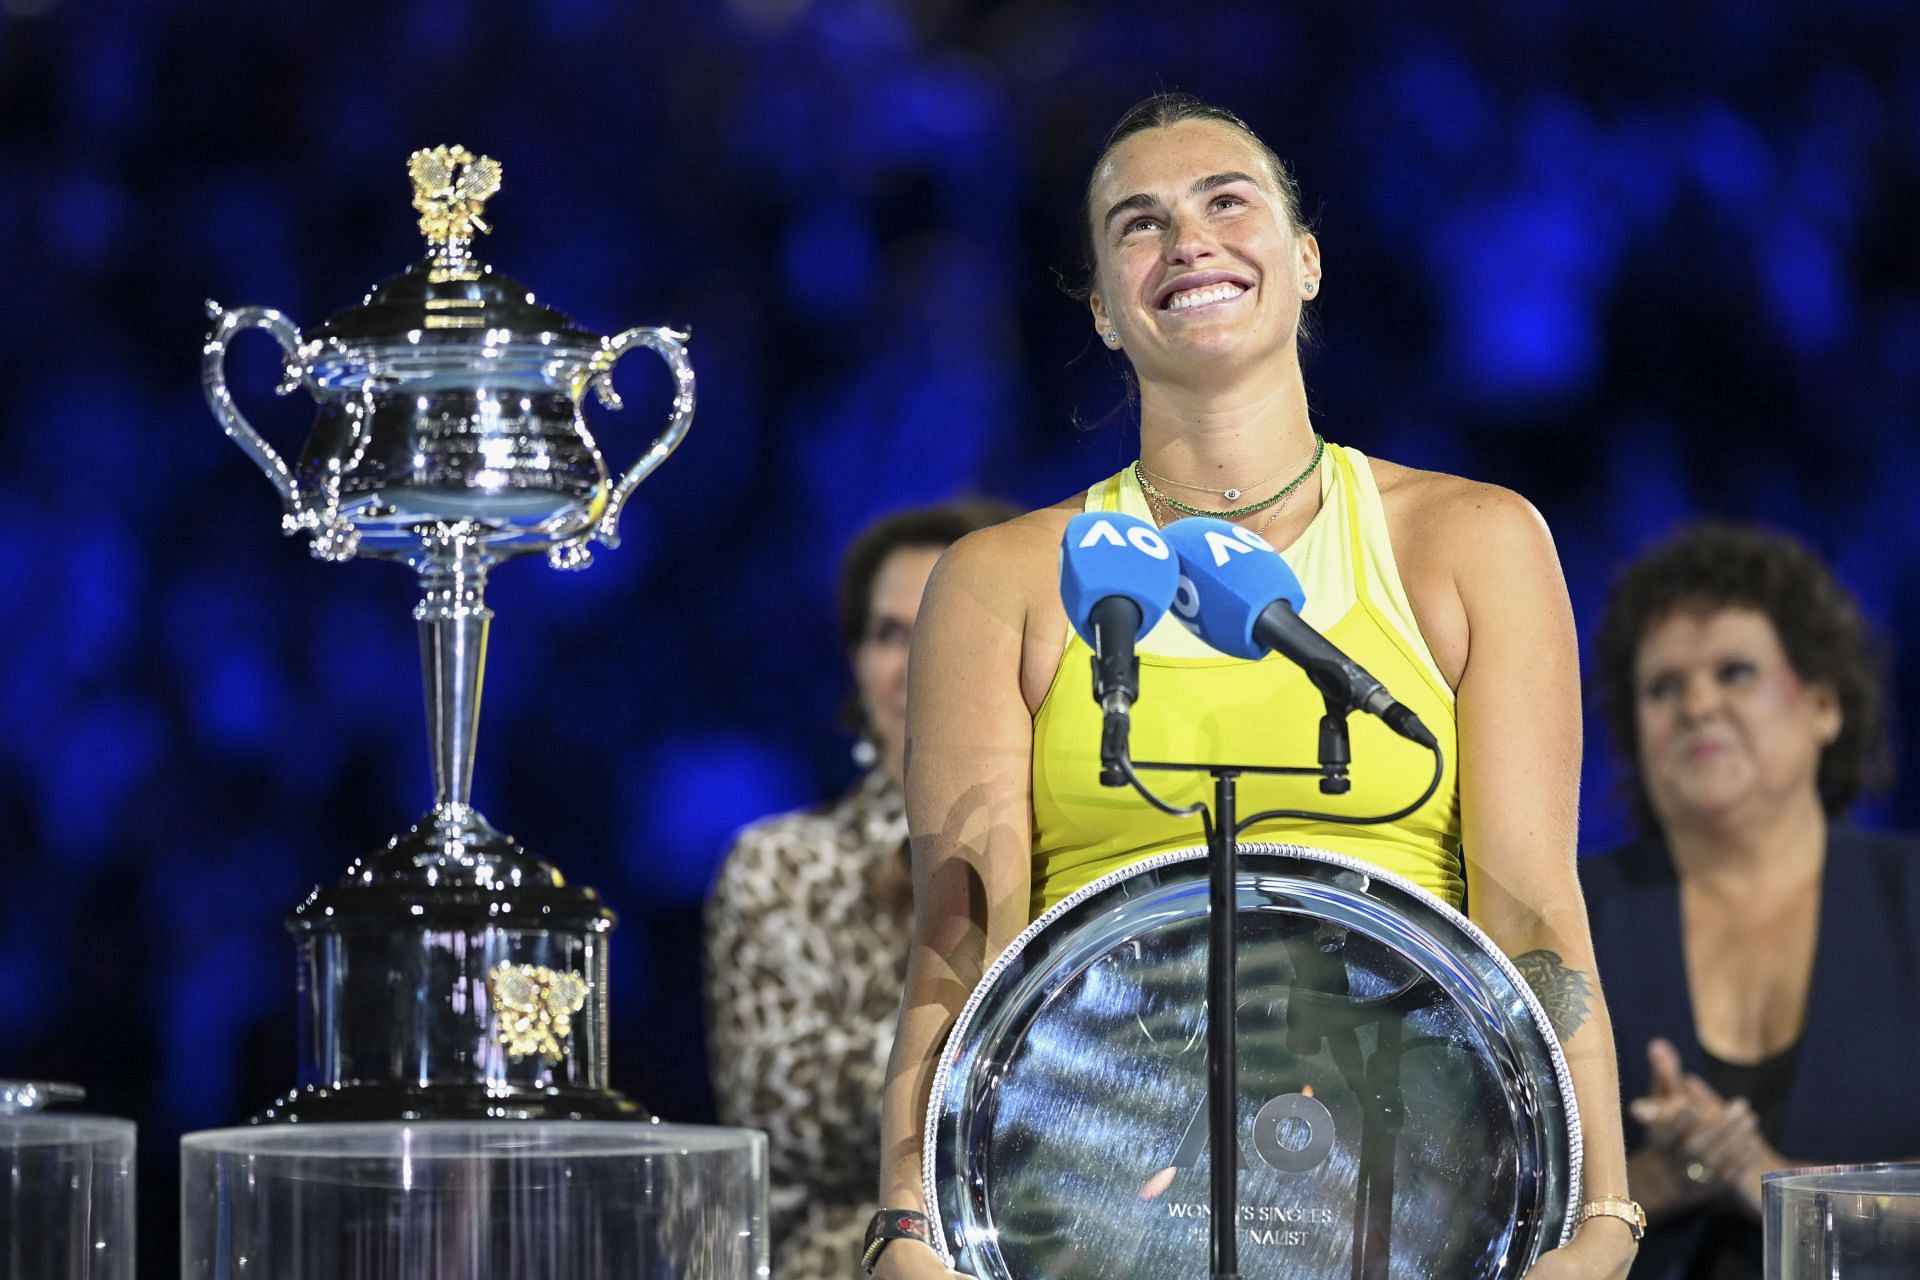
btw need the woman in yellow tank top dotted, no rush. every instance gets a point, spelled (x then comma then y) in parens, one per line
(1449, 591)
(1256, 711)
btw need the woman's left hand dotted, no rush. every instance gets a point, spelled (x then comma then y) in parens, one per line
(1602, 1249)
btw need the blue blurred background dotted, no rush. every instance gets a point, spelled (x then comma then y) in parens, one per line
(1638, 261)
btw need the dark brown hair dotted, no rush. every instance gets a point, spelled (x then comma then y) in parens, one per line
(935, 526)
(1714, 565)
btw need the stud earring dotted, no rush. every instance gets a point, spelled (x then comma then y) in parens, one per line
(1313, 287)
(1113, 337)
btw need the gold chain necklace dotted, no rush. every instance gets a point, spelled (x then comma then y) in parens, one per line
(1164, 515)
(1233, 513)
(1282, 504)
(1231, 495)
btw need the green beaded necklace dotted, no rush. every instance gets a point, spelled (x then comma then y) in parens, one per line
(1140, 474)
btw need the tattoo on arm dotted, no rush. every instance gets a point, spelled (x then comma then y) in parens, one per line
(1563, 992)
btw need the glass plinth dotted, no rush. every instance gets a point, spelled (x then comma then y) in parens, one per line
(460, 1200)
(66, 1205)
(1843, 1222)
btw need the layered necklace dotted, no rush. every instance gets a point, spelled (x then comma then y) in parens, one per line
(1279, 499)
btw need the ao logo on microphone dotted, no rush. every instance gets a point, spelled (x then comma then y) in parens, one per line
(1224, 547)
(1186, 597)
(1144, 538)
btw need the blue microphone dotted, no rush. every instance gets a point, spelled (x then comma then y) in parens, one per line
(1239, 596)
(1117, 576)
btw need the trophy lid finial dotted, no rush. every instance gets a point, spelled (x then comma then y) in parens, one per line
(449, 296)
(450, 186)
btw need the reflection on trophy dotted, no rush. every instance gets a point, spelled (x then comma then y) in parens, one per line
(450, 974)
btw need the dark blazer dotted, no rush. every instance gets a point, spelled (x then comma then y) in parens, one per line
(1853, 1097)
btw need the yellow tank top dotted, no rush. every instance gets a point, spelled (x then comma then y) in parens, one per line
(1199, 705)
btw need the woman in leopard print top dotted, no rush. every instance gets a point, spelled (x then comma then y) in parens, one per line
(808, 925)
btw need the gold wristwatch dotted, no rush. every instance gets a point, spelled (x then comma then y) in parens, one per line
(1628, 1211)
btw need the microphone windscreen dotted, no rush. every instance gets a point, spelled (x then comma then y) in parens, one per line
(1228, 575)
(1105, 554)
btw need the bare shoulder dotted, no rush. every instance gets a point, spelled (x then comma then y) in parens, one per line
(1037, 533)
(998, 591)
(1466, 551)
(1003, 566)
(1438, 519)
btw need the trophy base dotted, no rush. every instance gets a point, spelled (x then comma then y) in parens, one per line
(386, 1100)
(452, 1002)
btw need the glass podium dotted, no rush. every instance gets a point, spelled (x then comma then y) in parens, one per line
(66, 1208)
(1842, 1222)
(474, 1200)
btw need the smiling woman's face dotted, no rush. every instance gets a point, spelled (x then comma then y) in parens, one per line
(1198, 260)
(1727, 728)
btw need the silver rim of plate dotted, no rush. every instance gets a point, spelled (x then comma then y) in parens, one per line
(1408, 922)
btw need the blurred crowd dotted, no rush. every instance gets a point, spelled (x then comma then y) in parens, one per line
(1637, 280)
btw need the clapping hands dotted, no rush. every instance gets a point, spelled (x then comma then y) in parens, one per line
(1710, 1142)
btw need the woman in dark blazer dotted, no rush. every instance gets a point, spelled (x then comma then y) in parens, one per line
(1759, 956)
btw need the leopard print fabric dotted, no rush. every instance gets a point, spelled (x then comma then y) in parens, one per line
(806, 948)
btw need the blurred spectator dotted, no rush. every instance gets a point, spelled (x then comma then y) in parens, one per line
(1758, 954)
(807, 929)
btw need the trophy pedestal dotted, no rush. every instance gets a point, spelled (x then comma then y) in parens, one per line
(438, 1001)
(474, 1201)
(66, 1202)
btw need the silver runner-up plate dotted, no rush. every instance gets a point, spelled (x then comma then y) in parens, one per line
(1404, 1106)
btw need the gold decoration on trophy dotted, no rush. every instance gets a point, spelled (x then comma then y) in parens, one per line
(450, 186)
(534, 1007)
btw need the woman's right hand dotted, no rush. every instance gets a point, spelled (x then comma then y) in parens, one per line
(911, 1260)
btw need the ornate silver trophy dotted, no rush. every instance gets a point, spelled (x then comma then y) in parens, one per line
(451, 973)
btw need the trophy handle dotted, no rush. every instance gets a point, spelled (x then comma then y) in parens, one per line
(213, 377)
(670, 345)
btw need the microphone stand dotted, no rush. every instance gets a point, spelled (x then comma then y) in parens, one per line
(1223, 1052)
(1222, 827)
